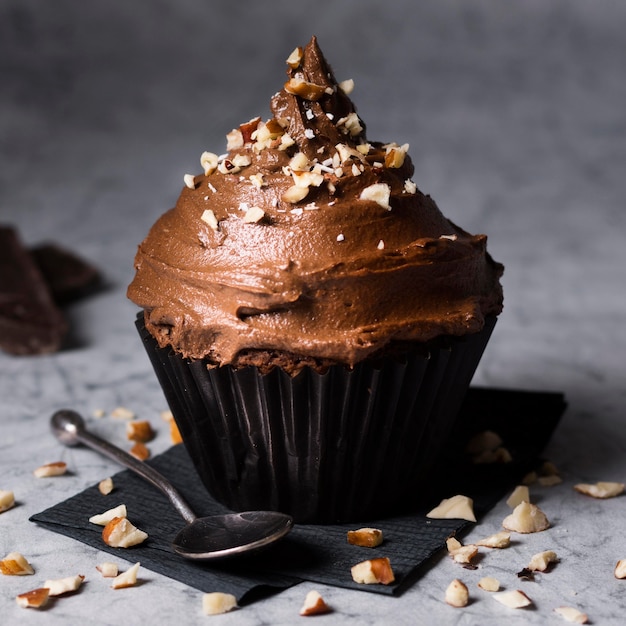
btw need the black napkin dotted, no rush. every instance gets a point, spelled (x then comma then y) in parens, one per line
(525, 421)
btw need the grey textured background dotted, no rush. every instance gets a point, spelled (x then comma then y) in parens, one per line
(515, 112)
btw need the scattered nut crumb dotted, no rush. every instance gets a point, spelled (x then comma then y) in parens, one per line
(456, 507)
(57, 468)
(457, 594)
(208, 161)
(541, 561)
(139, 431)
(254, 215)
(526, 518)
(121, 533)
(601, 489)
(620, 569)
(122, 413)
(520, 494)
(127, 578)
(15, 564)
(208, 217)
(7, 500)
(64, 585)
(548, 468)
(216, 603)
(460, 553)
(108, 569)
(366, 537)
(530, 478)
(102, 519)
(314, 604)
(497, 540)
(550, 480)
(140, 451)
(379, 193)
(514, 599)
(489, 583)
(295, 194)
(98, 413)
(105, 486)
(34, 599)
(373, 571)
(571, 614)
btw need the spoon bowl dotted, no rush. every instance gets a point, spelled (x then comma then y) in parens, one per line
(203, 538)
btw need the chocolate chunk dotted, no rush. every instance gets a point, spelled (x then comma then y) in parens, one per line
(30, 322)
(68, 276)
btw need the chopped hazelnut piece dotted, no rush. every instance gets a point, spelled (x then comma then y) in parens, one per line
(483, 441)
(295, 194)
(208, 217)
(139, 431)
(366, 537)
(293, 60)
(108, 569)
(457, 594)
(15, 564)
(514, 599)
(497, 540)
(234, 139)
(549, 481)
(409, 186)
(122, 413)
(216, 603)
(526, 518)
(548, 468)
(460, 553)
(314, 604)
(34, 599)
(253, 215)
(140, 451)
(64, 585)
(105, 486)
(489, 583)
(209, 161)
(347, 86)
(379, 193)
(541, 561)
(305, 89)
(190, 181)
(571, 614)
(520, 494)
(373, 571)
(51, 469)
(127, 578)
(530, 478)
(102, 519)
(121, 533)
(7, 500)
(601, 490)
(456, 507)
(620, 569)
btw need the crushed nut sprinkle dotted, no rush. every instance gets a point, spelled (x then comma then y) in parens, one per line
(379, 193)
(7, 500)
(254, 215)
(208, 217)
(57, 468)
(209, 161)
(601, 490)
(190, 181)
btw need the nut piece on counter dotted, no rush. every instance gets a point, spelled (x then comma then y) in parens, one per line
(122, 413)
(571, 614)
(550, 480)
(139, 431)
(456, 507)
(127, 578)
(102, 519)
(373, 571)
(514, 599)
(64, 585)
(526, 518)
(601, 490)
(108, 569)
(15, 564)
(140, 451)
(541, 561)
(34, 599)
(489, 583)
(497, 540)
(366, 537)
(120, 533)
(520, 494)
(620, 569)
(314, 604)
(106, 486)
(457, 594)
(57, 468)
(216, 603)
(460, 553)
(7, 500)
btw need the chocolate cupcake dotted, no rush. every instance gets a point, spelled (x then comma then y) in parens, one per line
(313, 318)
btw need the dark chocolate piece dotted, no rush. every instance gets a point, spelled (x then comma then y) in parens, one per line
(30, 322)
(68, 276)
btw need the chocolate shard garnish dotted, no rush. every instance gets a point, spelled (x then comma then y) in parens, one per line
(30, 322)
(68, 276)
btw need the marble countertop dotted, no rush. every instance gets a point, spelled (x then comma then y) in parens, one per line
(516, 121)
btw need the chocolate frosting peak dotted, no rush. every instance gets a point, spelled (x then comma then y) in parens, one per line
(307, 244)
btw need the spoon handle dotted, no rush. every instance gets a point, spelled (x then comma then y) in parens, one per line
(70, 429)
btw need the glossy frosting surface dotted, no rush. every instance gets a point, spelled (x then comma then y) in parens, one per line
(307, 239)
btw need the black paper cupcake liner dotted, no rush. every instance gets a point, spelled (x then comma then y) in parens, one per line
(341, 446)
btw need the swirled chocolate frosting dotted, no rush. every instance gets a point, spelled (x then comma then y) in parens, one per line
(307, 243)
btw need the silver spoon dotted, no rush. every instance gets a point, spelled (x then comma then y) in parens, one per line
(204, 538)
